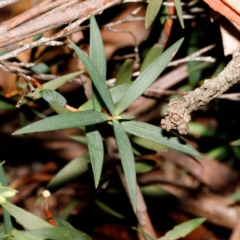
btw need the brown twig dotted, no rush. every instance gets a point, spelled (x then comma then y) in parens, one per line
(31, 13)
(179, 110)
(141, 210)
(67, 15)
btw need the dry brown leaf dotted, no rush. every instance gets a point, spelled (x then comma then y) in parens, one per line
(230, 31)
(228, 8)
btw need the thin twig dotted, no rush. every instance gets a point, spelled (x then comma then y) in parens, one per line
(158, 93)
(81, 10)
(141, 210)
(129, 18)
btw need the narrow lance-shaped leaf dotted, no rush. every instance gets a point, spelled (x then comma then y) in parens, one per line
(178, 7)
(96, 151)
(26, 219)
(66, 120)
(155, 134)
(40, 68)
(127, 159)
(59, 233)
(72, 170)
(147, 236)
(183, 229)
(155, 51)
(97, 79)
(146, 143)
(6, 216)
(109, 210)
(116, 92)
(152, 11)
(147, 77)
(78, 138)
(235, 143)
(53, 98)
(125, 73)
(23, 235)
(94, 139)
(97, 57)
(97, 53)
(55, 83)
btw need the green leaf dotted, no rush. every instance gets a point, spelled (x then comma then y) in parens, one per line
(152, 11)
(194, 67)
(235, 143)
(79, 139)
(155, 51)
(6, 104)
(143, 142)
(65, 120)
(60, 222)
(53, 98)
(59, 233)
(97, 79)
(146, 235)
(125, 73)
(72, 170)
(147, 77)
(127, 159)
(22, 235)
(55, 83)
(26, 219)
(97, 53)
(96, 151)
(156, 134)
(94, 139)
(60, 110)
(37, 37)
(125, 117)
(67, 211)
(235, 196)
(154, 191)
(7, 192)
(218, 152)
(178, 7)
(142, 167)
(109, 210)
(40, 68)
(116, 92)
(97, 57)
(183, 229)
(201, 130)
(6, 216)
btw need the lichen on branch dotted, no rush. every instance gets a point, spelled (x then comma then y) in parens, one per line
(179, 110)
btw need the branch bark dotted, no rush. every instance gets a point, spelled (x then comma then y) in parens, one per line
(179, 110)
(74, 13)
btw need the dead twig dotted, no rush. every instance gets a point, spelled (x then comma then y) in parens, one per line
(179, 110)
(141, 210)
(55, 19)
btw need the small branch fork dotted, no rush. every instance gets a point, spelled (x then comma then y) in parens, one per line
(179, 110)
(29, 80)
